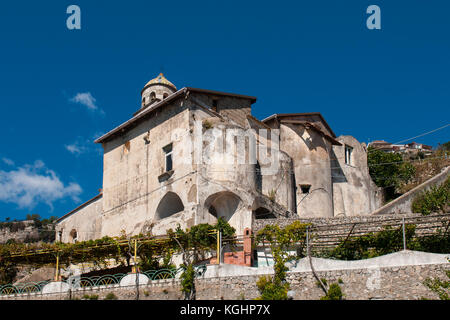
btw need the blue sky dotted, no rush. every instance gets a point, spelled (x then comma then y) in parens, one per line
(60, 89)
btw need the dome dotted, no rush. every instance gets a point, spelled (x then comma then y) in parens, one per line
(156, 90)
(160, 80)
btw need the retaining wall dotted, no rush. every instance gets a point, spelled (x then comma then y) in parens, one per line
(395, 276)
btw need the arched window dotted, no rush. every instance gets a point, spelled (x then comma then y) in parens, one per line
(165, 95)
(169, 205)
(222, 204)
(152, 95)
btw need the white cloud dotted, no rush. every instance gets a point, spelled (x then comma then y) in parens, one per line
(9, 162)
(86, 99)
(76, 148)
(81, 146)
(30, 185)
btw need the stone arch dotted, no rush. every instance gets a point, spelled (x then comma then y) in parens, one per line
(152, 95)
(223, 204)
(169, 205)
(264, 213)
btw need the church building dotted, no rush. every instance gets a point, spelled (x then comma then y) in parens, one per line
(188, 156)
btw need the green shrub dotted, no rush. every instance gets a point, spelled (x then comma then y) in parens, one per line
(280, 240)
(334, 293)
(436, 243)
(111, 296)
(433, 200)
(372, 245)
(187, 280)
(207, 125)
(272, 195)
(389, 171)
(272, 290)
(441, 288)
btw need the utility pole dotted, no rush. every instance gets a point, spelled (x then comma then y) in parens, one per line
(219, 245)
(57, 267)
(404, 235)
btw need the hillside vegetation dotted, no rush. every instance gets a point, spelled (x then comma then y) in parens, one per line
(397, 173)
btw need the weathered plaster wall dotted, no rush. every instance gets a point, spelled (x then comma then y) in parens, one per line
(232, 108)
(133, 163)
(87, 222)
(310, 152)
(226, 176)
(354, 192)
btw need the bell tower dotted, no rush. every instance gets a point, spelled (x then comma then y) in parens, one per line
(156, 90)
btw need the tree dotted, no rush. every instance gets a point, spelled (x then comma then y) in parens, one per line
(444, 146)
(389, 171)
(281, 241)
(193, 243)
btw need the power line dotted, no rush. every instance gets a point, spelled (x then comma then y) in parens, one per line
(420, 135)
(424, 134)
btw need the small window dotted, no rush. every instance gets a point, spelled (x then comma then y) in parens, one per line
(143, 101)
(165, 95)
(348, 155)
(305, 188)
(214, 104)
(168, 157)
(152, 95)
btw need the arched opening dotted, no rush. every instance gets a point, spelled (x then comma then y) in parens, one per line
(223, 204)
(152, 95)
(263, 213)
(169, 205)
(165, 95)
(73, 236)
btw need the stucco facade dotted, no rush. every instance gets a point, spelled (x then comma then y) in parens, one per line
(190, 156)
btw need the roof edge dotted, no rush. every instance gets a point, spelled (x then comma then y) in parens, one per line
(81, 206)
(174, 95)
(221, 93)
(282, 115)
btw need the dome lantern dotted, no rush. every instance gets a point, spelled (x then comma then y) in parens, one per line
(156, 90)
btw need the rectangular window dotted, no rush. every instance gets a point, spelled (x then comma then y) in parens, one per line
(214, 104)
(168, 157)
(348, 155)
